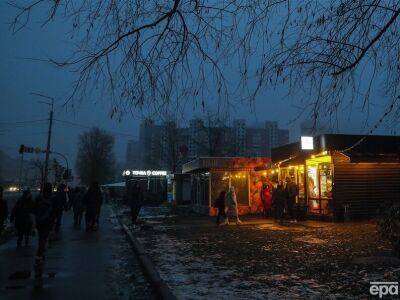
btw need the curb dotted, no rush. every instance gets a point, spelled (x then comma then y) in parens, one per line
(163, 291)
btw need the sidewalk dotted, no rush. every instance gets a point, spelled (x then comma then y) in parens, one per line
(80, 265)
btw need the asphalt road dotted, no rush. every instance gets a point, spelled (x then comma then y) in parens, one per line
(80, 265)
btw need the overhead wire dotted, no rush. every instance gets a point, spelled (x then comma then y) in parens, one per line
(24, 122)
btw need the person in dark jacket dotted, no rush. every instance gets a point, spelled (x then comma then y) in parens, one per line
(60, 204)
(135, 198)
(44, 217)
(92, 202)
(220, 205)
(3, 210)
(292, 191)
(21, 216)
(78, 205)
(279, 197)
(98, 211)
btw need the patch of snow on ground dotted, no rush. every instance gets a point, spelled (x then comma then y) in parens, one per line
(193, 278)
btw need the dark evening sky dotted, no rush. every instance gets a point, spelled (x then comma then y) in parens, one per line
(19, 77)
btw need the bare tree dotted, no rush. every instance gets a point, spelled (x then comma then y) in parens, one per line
(338, 51)
(95, 160)
(213, 136)
(151, 53)
(145, 53)
(170, 146)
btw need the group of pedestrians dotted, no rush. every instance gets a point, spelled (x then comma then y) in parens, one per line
(45, 213)
(227, 206)
(275, 202)
(284, 199)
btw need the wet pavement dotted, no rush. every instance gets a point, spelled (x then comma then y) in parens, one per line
(79, 265)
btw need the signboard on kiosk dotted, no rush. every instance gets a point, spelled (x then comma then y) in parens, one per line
(307, 143)
(144, 173)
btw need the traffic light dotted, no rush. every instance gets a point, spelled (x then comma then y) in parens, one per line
(25, 149)
(21, 149)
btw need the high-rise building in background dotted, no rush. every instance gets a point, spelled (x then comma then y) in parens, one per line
(275, 136)
(168, 146)
(239, 134)
(133, 154)
(149, 144)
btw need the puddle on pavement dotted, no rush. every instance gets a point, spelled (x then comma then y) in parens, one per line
(53, 275)
(15, 287)
(20, 275)
(54, 257)
(311, 240)
(26, 256)
(277, 227)
(23, 275)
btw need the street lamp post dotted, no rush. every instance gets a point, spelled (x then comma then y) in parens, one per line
(51, 104)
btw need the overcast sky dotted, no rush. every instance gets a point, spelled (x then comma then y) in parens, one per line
(19, 77)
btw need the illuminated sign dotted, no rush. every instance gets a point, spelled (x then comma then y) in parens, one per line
(144, 173)
(307, 143)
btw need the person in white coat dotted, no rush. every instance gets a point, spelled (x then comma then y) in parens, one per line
(231, 205)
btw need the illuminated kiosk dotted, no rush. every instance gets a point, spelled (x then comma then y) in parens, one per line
(154, 183)
(342, 175)
(211, 175)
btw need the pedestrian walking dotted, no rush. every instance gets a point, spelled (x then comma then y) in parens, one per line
(266, 199)
(279, 200)
(232, 205)
(92, 200)
(22, 217)
(135, 199)
(106, 194)
(98, 210)
(292, 191)
(3, 210)
(220, 205)
(60, 203)
(77, 205)
(44, 218)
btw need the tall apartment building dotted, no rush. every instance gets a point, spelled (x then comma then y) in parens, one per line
(197, 138)
(240, 133)
(133, 154)
(275, 136)
(258, 140)
(150, 144)
(168, 146)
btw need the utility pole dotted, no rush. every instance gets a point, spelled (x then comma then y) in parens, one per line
(46, 162)
(48, 147)
(21, 167)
